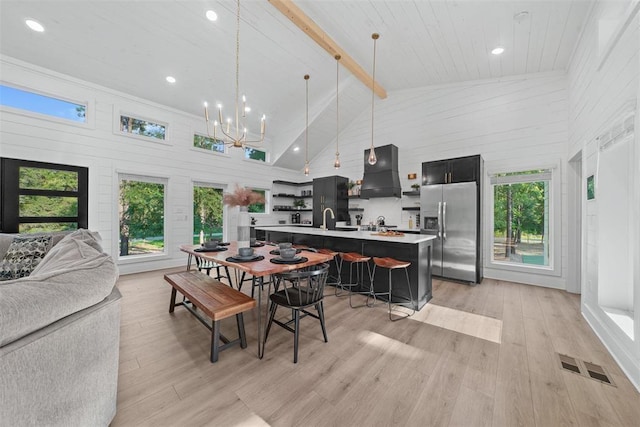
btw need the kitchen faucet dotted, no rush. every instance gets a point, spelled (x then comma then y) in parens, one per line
(324, 217)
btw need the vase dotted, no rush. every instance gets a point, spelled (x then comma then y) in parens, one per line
(244, 227)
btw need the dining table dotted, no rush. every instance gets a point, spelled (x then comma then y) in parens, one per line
(266, 263)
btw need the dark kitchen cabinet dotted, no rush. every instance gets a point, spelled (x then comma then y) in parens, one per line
(330, 192)
(451, 171)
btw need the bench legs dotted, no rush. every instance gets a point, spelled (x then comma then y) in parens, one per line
(216, 337)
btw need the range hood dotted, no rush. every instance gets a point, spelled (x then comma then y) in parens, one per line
(381, 179)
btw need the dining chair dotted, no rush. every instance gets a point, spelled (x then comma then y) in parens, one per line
(207, 266)
(298, 291)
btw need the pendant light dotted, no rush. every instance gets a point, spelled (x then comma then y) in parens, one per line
(372, 153)
(306, 129)
(336, 164)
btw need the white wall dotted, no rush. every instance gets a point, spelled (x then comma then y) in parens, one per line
(100, 147)
(603, 85)
(512, 122)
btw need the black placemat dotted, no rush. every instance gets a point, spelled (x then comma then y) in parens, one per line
(257, 245)
(234, 259)
(218, 249)
(224, 244)
(277, 251)
(298, 260)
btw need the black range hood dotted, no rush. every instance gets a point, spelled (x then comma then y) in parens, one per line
(381, 179)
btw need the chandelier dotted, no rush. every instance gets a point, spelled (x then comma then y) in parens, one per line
(306, 129)
(234, 137)
(336, 163)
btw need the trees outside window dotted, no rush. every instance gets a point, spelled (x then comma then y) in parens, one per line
(141, 212)
(207, 213)
(255, 154)
(207, 143)
(521, 219)
(142, 127)
(258, 207)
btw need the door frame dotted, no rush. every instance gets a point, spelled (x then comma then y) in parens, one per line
(575, 207)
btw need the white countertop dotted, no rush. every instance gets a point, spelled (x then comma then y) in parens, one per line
(363, 235)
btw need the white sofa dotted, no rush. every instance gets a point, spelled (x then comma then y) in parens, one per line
(59, 337)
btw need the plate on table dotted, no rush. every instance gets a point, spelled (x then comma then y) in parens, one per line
(218, 249)
(238, 258)
(257, 245)
(277, 251)
(294, 260)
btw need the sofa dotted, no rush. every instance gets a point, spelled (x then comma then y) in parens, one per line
(59, 332)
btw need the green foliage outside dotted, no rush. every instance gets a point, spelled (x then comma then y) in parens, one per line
(142, 127)
(47, 206)
(255, 154)
(207, 213)
(141, 211)
(258, 207)
(206, 143)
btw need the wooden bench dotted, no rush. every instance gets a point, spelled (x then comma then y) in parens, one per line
(216, 300)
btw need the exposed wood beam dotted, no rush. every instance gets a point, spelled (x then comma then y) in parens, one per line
(311, 29)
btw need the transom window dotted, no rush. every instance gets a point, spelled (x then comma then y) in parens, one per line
(255, 154)
(142, 127)
(41, 104)
(207, 143)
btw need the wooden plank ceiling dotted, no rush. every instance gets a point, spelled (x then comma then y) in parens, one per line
(132, 46)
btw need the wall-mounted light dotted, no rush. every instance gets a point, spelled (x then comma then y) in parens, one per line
(412, 176)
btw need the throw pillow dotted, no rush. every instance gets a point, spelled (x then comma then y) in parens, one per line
(23, 255)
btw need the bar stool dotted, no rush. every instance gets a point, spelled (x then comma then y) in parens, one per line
(337, 279)
(359, 260)
(392, 264)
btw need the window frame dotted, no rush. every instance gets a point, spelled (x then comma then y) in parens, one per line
(262, 162)
(88, 123)
(140, 177)
(555, 223)
(117, 117)
(267, 198)
(10, 192)
(225, 209)
(224, 153)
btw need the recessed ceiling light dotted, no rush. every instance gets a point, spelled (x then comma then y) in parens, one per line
(34, 25)
(211, 15)
(497, 50)
(171, 79)
(296, 148)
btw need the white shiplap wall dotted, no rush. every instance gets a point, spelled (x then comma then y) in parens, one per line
(512, 122)
(100, 147)
(599, 94)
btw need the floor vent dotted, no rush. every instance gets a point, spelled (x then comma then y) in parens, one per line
(585, 369)
(597, 373)
(569, 363)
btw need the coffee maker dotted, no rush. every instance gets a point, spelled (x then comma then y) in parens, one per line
(295, 218)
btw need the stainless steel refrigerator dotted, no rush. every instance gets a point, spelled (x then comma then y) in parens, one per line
(450, 212)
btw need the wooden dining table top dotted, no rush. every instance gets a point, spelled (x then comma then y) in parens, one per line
(259, 268)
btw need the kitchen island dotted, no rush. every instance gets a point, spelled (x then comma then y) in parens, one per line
(415, 248)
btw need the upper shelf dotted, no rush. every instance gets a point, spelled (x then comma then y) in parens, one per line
(410, 193)
(297, 184)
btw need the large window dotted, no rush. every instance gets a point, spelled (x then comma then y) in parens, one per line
(141, 212)
(38, 197)
(207, 143)
(207, 213)
(142, 127)
(521, 218)
(36, 103)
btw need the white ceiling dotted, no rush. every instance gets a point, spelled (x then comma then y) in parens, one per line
(131, 46)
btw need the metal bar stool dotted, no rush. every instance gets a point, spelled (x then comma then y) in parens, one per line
(359, 260)
(337, 280)
(392, 264)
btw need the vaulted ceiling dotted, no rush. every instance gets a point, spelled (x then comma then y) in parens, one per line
(131, 46)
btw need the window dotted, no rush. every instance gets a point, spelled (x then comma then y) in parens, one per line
(36, 103)
(255, 154)
(521, 218)
(38, 197)
(207, 143)
(259, 207)
(142, 127)
(141, 212)
(207, 213)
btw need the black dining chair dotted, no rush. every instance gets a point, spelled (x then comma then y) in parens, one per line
(298, 291)
(207, 266)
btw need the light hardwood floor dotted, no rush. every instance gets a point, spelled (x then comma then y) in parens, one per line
(483, 355)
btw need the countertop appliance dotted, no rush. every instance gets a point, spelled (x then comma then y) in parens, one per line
(295, 218)
(449, 211)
